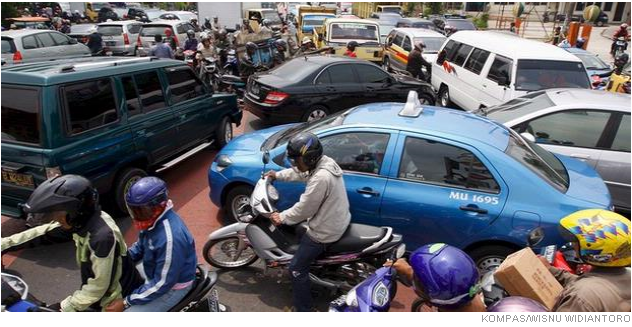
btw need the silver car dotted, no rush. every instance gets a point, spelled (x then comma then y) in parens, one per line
(39, 45)
(148, 32)
(592, 126)
(120, 37)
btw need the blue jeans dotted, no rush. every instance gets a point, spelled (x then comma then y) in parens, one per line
(163, 303)
(308, 251)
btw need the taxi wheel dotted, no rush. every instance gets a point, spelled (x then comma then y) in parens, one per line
(124, 181)
(315, 113)
(490, 256)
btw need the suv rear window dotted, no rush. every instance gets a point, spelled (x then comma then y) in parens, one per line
(110, 30)
(7, 46)
(20, 115)
(153, 30)
(89, 105)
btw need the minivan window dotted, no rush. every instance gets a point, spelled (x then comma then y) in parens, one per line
(89, 105)
(450, 50)
(476, 61)
(184, 85)
(151, 31)
(150, 90)
(46, 40)
(21, 115)
(29, 42)
(501, 68)
(110, 30)
(461, 54)
(60, 39)
(7, 46)
(533, 75)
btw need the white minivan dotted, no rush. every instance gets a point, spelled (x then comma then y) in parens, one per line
(480, 69)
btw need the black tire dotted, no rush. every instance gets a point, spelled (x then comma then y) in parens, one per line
(236, 194)
(224, 133)
(206, 252)
(316, 112)
(444, 97)
(124, 180)
(426, 99)
(387, 65)
(490, 256)
(599, 23)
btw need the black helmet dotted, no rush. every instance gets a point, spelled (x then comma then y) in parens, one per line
(191, 33)
(251, 46)
(306, 146)
(352, 45)
(621, 60)
(281, 44)
(73, 194)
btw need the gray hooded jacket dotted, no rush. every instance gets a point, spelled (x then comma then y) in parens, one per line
(324, 204)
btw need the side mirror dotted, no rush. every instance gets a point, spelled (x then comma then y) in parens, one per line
(535, 236)
(528, 136)
(266, 158)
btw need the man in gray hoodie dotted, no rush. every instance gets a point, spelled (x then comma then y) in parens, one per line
(324, 205)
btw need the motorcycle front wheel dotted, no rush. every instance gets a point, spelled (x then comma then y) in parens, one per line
(229, 253)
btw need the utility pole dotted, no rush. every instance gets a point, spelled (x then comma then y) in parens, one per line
(570, 6)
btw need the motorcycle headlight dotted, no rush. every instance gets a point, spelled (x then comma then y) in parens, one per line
(401, 250)
(381, 295)
(223, 161)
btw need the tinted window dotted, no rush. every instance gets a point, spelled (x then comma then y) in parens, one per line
(398, 40)
(450, 50)
(20, 115)
(134, 28)
(110, 30)
(622, 138)
(580, 128)
(182, 29)
(184, 85)
(150, 90)
(153, 30)
(340, 74)
(501, 67)
(461, 54)
(533, 75)
(433, 44)
(46, 39)
(7, 46)
(89, 105)
(371, 74)
(295, 70)
(29, 42)
(543, 163)
(359, 152)
(323, 78)
(407, 44)
(477, 60)
(433, 162)
(131, 96)
(60, 39)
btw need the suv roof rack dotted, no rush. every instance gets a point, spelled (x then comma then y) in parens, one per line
(109, 63)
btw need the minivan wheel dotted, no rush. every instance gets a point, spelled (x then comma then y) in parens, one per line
(224, 133)
(490, 257)
(444, 97)
(124, 181)
(315, 113)
(237, 201)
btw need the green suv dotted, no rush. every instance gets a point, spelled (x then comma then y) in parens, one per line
(112, 120)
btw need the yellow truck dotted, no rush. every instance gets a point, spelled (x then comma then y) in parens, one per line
(257, 15)
(311, 17)
(365, 9)
(337, 32)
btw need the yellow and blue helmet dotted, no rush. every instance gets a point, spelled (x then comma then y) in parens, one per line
(603, 236)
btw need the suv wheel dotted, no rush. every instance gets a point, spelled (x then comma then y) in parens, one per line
(490, 256)
(122, 184)
(315, 113)
(224, 133)
(444, 97)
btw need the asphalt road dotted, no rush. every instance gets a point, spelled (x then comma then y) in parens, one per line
(52, 274)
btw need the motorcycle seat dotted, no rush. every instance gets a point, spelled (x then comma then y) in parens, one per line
(204, 280)
(356, 238)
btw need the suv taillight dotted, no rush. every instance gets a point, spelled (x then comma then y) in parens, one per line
(275, 97)
(139, 42)
(125, 38)
(17, 57)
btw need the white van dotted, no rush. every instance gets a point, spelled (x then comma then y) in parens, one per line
(480, 69)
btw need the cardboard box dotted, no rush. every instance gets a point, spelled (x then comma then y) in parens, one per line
(523, 274)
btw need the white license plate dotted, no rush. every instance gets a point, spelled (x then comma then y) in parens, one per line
(111, 44)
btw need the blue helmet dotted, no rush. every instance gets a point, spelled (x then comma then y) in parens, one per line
(517, 304)
(146, 200)
(446, 276)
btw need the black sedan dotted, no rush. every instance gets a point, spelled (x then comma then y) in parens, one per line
(310, 88)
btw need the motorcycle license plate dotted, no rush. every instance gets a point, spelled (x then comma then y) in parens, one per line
(17, 179)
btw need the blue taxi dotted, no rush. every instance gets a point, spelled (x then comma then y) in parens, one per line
(433, 174)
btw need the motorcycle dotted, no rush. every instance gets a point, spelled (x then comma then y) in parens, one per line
(203, 297)
(598, 83)
(345, 263)
(620, 45)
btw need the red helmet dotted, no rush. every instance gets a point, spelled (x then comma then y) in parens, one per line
(168, 32)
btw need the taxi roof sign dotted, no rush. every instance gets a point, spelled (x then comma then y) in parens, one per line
(413, 107)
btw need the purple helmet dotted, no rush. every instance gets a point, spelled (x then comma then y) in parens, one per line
(146, 200)
(448, 276)
(517, 304)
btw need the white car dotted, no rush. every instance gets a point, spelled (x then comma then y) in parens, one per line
(589, 125)
(178, 15)
(178, 28)
(19, 46)
(401, 41)
(480, 69)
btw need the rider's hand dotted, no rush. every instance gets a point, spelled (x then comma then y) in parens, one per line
(271, 175)
(116, 306)
(402, 267)
(276, 218)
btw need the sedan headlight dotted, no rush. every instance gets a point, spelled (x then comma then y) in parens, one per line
(223, 161)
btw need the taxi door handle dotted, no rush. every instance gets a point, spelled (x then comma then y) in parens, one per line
(473, 209)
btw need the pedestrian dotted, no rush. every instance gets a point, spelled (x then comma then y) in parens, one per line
(512, 27)
(161, 49)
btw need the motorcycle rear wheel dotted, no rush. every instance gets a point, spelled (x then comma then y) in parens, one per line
(224, 253)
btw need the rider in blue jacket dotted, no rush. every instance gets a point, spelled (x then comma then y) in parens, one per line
(165, 247)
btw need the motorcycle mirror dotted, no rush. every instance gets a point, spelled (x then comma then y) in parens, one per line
(535, 236)
(266, 157)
